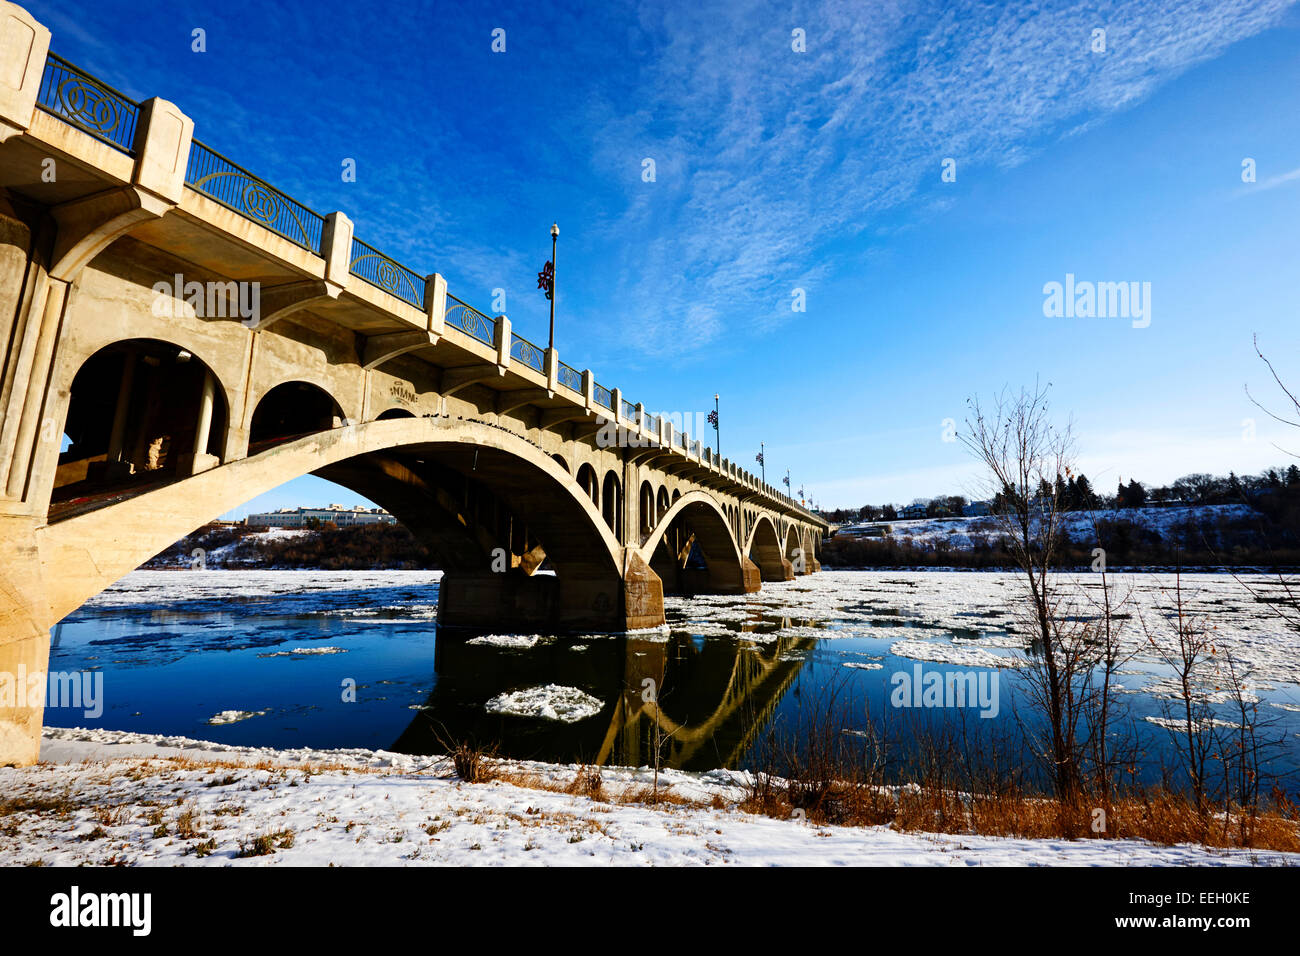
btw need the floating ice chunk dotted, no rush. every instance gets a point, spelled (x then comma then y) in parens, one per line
(567, 705)
(519, 642)
(951, 654)
(233, 716)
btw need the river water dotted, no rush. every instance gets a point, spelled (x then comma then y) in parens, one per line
(355, 659)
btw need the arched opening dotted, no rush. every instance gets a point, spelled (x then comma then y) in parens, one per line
(588, 482)
(646, 508)
(794, 551)
(661, 505)
(696, 553)
(391, 413)
(765, 550)
(140, 412)
(676, 495)
(559, 460)
(289, 411)
(611, 496)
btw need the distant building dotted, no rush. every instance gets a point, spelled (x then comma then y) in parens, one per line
(305, 517)
(913, 511)
(977, 509)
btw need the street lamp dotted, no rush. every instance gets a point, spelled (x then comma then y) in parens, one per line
(715, 421)
(555, 234)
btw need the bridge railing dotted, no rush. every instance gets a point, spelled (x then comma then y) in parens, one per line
(92, 106)
(236, 188)
(570, 378)
(526, 352)
(371, 265)
(96, 108)
(470, 320)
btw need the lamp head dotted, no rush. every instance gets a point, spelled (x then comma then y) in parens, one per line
(555, 230)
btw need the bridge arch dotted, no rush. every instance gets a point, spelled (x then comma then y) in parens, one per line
(592, 587)
(646, 519)
(696, 525)
(589, 483)
(661, 504)
(122, 435)
(765, 550)
(290, 410)
(395, 412)
(794, 549)
(611, 502)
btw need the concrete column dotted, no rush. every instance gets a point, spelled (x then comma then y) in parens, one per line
(163, 135)
(336, 248)
(204, 431)
(589, 388)
(503, 341)
(24, 46)
(616, 399)
(552, 366)
(27, 387)
(435, 302)
(200, 460)
(118, 434)
(24, 642)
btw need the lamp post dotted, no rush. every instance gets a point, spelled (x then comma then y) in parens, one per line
(717, 426)
(762, 462)
(555, 234)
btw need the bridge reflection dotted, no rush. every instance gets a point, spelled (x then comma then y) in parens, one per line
(705, 700)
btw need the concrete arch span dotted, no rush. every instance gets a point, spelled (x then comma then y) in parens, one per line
(696, 524)
(765, 550)
(597, 584)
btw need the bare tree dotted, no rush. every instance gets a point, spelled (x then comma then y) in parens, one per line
(1108, 619)
(1186, 648)
(1024, 453)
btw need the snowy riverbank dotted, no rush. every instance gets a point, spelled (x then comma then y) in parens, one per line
(102, 797)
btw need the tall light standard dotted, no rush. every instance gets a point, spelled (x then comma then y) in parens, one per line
(555, 234)
(713, 420)
(759, 458)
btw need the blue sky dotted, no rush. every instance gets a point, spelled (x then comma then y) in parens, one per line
(778, 170)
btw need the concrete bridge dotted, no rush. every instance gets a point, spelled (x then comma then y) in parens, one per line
(200, 337)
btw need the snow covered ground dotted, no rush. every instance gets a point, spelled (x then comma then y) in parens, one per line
(105, 797)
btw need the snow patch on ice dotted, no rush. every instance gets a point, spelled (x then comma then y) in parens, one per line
(567, 705)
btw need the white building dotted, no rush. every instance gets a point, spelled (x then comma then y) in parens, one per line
(304, 517)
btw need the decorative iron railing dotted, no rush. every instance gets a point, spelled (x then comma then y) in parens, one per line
(471, 321)
(681, 439)
(603, 396)
(629, 411)
(79, 99)
(570, 378)
(526, 352)
(236, 188)
(373, 266)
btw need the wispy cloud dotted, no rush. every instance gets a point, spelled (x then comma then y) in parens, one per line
(766, 156)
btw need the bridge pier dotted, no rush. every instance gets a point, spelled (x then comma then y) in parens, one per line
(513, 600)
(24, 643)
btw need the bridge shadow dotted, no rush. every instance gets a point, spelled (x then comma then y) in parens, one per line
(701, 701)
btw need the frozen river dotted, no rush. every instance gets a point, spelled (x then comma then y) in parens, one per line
(354, 659)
